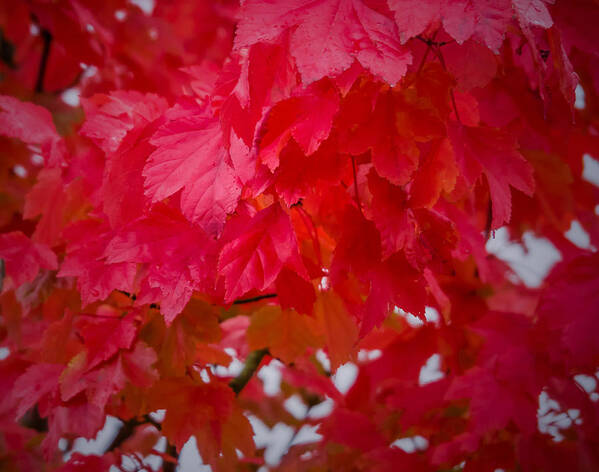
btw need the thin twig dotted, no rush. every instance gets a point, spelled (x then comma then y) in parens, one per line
(241, 301)
(7, 51)
(489, 219)
(168, 466)
(309, 224)
(47, 39)
(423, 61)
(431, 41)
(297, 430)
(124, 433)
(254, 299)
(429, 46)
(127, 431)
(132, 296)
(455, 107)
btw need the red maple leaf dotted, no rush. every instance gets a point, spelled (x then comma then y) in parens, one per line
(327, 36)
(307, 118)
(95, 278)
(305, 190)
(256, 248)
(206, 411)
(486, 20)
(23, 258)
(176, 254)
(485, 149)
(191, 157)
(33, 125)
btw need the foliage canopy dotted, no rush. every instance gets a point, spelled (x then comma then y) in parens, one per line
(189, 184)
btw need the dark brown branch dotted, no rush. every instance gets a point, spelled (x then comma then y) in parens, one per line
(242, 301)
(431, 41)
(254, 299)
(32, 419)
(489, 219)
(7, 51)
(127, 431)
(47, 39)
(251, 365)
(168, 466)
(124, 433)
(132, 296)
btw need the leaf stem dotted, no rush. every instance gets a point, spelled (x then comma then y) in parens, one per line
(429, 45)
(2, 273)
(309, 224)
(353, 165)
(47, 39)
(451, 94)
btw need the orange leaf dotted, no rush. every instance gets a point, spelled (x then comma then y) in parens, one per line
(338, 327)
(285, 333)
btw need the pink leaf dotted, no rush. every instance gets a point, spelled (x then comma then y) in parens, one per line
(327, 36)
(24, 258)
(191, 157)
(31, 124)
(256, 251)
(489, 150)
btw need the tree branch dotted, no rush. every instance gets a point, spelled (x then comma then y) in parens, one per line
(127, 431)
(254, 299)
(7, 51)
(251, 364)
(32, 419)
(168, 466)
(489, 219)
(242, 301)
(124, 433)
